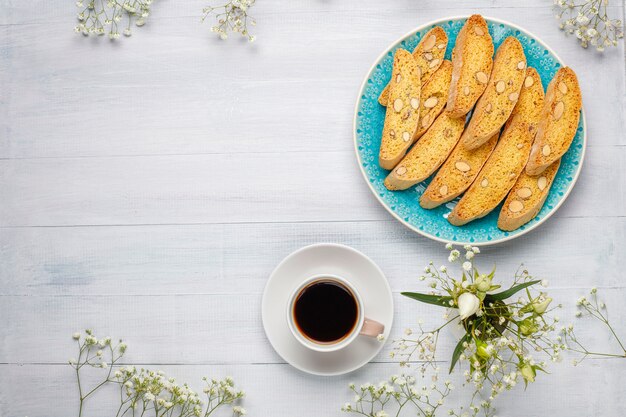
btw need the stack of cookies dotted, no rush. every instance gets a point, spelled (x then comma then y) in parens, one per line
(508, 148)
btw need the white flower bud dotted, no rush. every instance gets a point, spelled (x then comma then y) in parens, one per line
(468, 305)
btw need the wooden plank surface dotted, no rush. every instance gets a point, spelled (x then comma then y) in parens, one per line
(149, 186)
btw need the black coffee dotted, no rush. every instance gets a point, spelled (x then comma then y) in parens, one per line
(325, 311)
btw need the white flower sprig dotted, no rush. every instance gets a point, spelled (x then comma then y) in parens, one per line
(232, 17)
(594, 309)
(147, 392)
(588, 20)
(394, 395)
(97, 17)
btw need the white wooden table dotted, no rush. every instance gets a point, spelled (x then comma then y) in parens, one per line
(149, 186)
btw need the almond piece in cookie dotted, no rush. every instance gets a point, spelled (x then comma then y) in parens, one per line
(503, 89)
(559, 121)
(472, 61)
(428, 154)
(402, 117)
(428, 54)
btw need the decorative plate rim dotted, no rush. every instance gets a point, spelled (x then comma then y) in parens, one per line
(393, 213)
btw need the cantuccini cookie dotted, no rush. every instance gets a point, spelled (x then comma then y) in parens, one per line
(508, 159)
(433, 100)
(559, 121)
(403, 112)
(501, 95)
(472, 61)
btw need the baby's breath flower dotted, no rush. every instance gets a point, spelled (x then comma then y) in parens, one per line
(98, 18)
(240, 411)
(399, 390)
(231, 17)
(143, 386)
(595, 310)
(589, 22)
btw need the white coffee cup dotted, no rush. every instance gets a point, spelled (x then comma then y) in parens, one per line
(363, 325)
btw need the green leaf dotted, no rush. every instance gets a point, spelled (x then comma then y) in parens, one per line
(437, 300)
(511, 291)
(458, 350)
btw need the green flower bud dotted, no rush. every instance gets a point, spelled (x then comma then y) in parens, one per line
(481, 349)
(483, 283)
(528, 372)
(541, 305)
(528, 327)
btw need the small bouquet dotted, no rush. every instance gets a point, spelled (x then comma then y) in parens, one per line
(501, 329)
(506, 336)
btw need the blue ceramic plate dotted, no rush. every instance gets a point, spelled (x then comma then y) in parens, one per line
(404, 205)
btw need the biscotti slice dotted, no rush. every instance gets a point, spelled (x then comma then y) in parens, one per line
(531, 99)
(502, 93)
(428, 154)
(497, 176)
(456, 174)
(508, 159)
(526, 198)
(434, 94)
(403, 111)
(472, 55)
(559, 121)
(428, 54)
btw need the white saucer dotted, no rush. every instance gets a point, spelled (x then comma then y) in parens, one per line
(326, 258)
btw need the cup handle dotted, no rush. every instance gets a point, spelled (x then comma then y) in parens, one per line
(372, 328)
